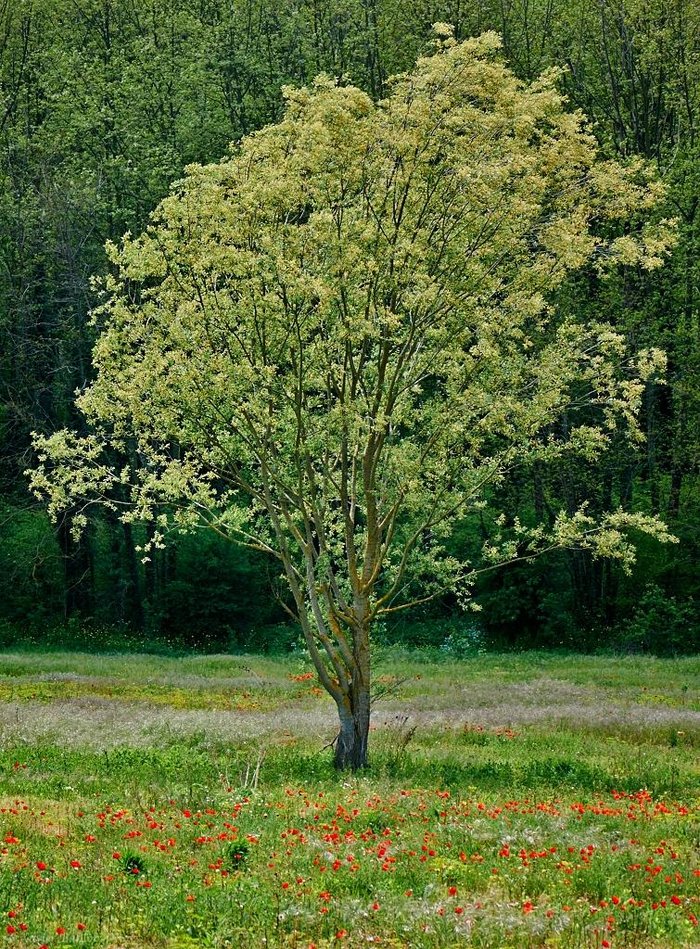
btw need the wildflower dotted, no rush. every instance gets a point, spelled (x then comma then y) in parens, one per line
(81, 926)
(676, 900)
(459, 910)
(60, 930)
(76, 864)
(341, 934)
(528, 907)
(10, 929)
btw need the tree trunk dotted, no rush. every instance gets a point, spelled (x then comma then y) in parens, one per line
(351, 744)
(135, 609)
(354, 705)
(674, 497)
(78, 571)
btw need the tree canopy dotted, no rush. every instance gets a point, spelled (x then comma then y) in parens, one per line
(350, 331)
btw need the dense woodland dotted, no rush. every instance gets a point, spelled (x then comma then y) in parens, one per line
(103, 103)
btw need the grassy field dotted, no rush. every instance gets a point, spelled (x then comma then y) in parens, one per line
(513, 800)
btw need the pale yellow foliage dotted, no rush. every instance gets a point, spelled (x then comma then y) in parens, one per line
(351, 322)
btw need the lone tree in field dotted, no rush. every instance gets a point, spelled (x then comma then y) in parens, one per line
(337, 340)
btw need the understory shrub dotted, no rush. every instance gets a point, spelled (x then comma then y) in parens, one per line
(661, 624)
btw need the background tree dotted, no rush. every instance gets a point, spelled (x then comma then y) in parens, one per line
(352, 323)
(632, 65)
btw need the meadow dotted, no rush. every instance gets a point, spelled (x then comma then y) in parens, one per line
(512, 800)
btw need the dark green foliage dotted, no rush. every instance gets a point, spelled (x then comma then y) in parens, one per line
(31, 568)
(236, 855)
(275, 638)
(132, 863)
(455, 636)
(662, 625)
(218, 594)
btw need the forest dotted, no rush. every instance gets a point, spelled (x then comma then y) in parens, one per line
(105, 103)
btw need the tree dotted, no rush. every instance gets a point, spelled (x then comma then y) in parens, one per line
(346, 334)
(633, 66)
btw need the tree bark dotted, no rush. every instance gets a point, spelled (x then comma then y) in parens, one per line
(354, 703)
(351, 743)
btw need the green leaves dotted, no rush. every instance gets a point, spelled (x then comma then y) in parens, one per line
(352, 321)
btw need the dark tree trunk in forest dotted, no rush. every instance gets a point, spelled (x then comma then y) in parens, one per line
(674, 496)
(136, 610)
(652, 473)
(78, 571)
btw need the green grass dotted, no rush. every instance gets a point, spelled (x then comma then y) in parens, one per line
(512, 801)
